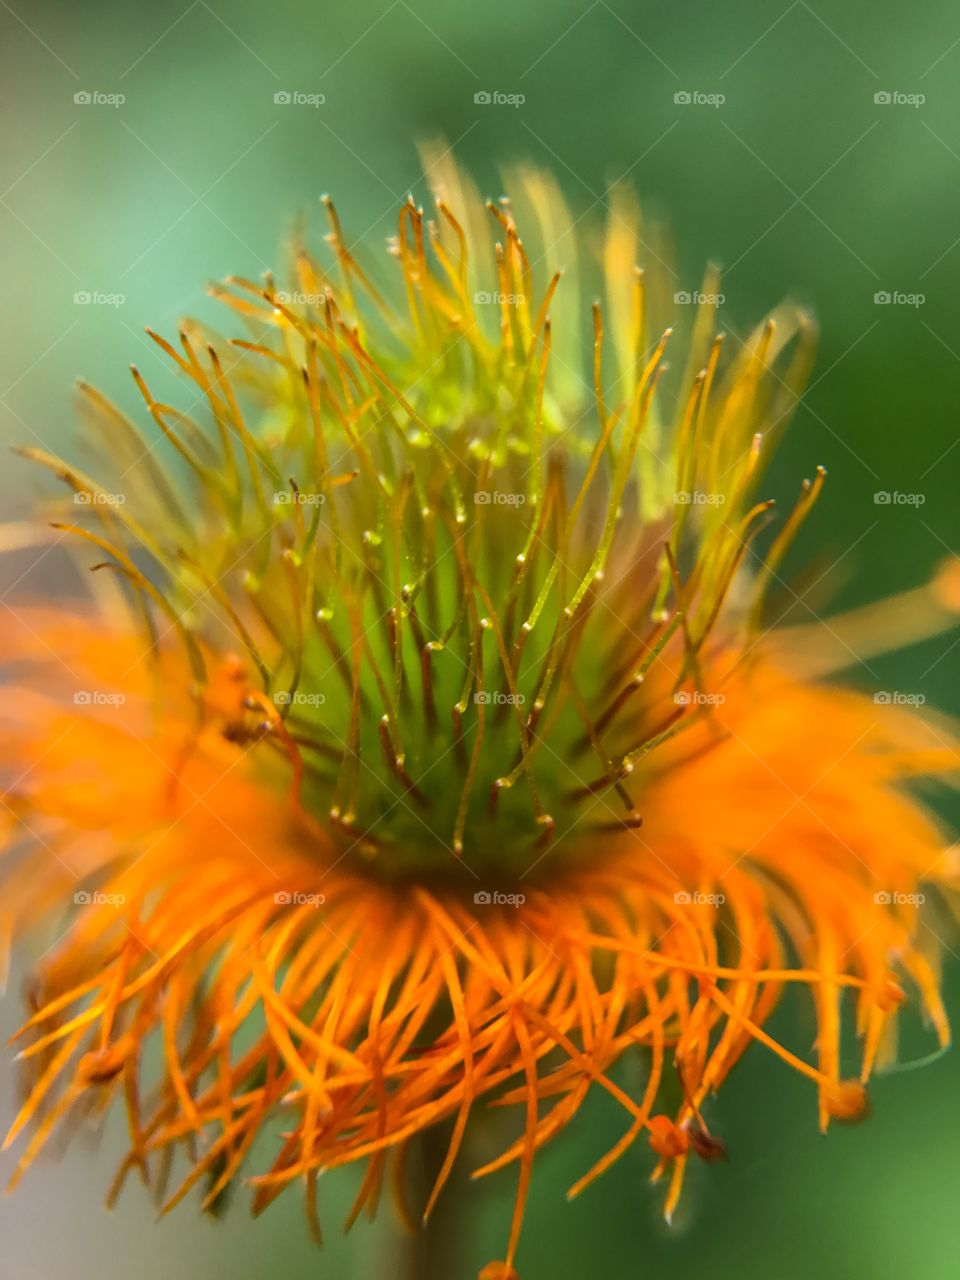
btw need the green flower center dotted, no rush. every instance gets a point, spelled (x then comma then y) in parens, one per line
(474, 599)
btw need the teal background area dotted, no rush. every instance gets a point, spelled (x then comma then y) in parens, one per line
(800, 185)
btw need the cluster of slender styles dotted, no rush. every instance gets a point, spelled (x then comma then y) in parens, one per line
(422, 747)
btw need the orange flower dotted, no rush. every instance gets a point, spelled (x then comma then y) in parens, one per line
(427, 744)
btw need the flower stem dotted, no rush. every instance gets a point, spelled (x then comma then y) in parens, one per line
(436, 1251)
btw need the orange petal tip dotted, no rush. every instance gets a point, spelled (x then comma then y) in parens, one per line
(846, 1100)
(666, 1139)
(946, 584)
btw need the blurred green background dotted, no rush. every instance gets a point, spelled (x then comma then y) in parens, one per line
(799, 183)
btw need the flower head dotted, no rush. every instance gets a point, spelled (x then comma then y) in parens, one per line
(425, 741)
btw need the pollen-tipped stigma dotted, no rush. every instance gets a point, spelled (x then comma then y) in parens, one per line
(404, 621)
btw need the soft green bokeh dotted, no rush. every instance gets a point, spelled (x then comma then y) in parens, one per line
(800, 184)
